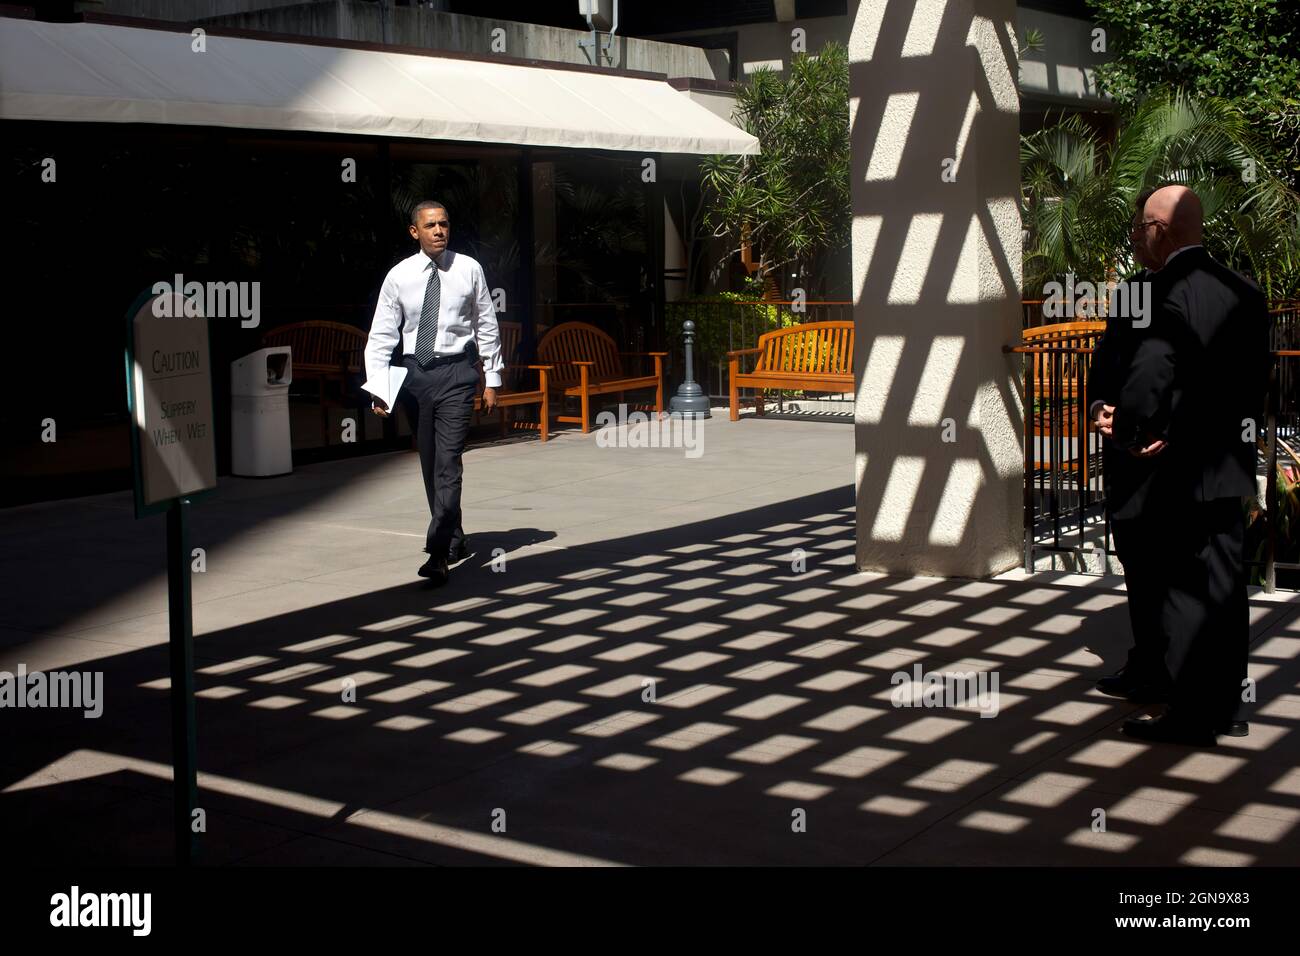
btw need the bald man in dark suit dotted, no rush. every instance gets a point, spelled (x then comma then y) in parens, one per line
(1190, 401)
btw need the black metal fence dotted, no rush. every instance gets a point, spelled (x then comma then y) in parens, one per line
(1064, 500)
(1286, 340)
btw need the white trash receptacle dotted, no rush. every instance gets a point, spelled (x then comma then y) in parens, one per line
(259, 413)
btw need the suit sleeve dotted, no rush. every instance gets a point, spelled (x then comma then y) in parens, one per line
(385, 330)
(486, 331)
(1101, 373)
(1145, 404)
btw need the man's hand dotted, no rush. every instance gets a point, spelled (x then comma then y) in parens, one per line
(1105, 420)
(489, 399)
(379, 407)
(1151, 450)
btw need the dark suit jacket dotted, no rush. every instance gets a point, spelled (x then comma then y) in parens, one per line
(1124, 476)
(1196, 377)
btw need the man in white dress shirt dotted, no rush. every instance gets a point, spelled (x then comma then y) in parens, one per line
(437, 304)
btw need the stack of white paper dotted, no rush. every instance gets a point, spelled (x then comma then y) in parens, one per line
(385, 388)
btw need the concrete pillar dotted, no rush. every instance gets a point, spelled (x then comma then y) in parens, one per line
(936, 277)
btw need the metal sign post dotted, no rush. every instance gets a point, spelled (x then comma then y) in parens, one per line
(173, 454)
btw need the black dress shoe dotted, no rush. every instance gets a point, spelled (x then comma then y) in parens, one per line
(1233, 728)
(435, 569)
(1137, 691)
(1169, 729)
(459, 552)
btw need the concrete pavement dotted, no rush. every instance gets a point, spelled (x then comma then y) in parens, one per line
(650, 659)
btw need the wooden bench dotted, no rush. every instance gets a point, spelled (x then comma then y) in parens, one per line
(320, 349)
(512, 345)
(513, 393)
(587, 362)
(513, 397)
(323, 352)
(815, 357)
(512, 334)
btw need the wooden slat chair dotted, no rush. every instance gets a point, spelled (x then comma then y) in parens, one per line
(587, 362)
(814, 356)
(322, 351)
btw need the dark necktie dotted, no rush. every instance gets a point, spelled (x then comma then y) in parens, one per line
(427, 334)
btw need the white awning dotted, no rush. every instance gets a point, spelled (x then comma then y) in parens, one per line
(101, 73)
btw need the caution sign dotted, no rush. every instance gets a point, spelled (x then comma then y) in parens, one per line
(169, 394)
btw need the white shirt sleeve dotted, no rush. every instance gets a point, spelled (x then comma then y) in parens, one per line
(486, 331)
(385, 330)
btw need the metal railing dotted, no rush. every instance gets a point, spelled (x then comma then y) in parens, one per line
(1033, 312)
(1064, 498)
(1285, 340)
(1283, 426)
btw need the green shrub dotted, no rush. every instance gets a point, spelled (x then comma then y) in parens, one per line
(1288, 528)
(715, 315)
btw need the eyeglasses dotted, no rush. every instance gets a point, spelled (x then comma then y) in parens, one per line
(1136, 226)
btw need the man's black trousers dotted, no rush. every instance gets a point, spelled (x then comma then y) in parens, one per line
(440, 403)
(1142, 550)
(1184, 568)
(1206, 612)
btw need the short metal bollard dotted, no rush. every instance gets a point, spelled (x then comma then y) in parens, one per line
(690, 400)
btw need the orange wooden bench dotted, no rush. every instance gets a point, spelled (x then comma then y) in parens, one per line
(512, 336)
(539, 396)
(815, 357)
(320, 349)
(512, 394)
(587, 362)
